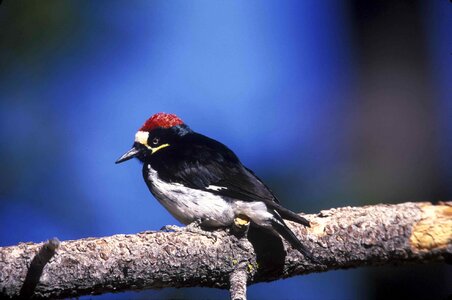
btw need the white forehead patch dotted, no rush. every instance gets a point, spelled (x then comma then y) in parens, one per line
(142, 137)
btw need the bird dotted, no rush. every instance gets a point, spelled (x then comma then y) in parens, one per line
(198, 179)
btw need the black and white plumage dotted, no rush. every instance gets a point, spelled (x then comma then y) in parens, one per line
(199, 179)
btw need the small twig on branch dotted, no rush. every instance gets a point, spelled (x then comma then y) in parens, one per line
(339, 238)
(46, 252)
(238, 281)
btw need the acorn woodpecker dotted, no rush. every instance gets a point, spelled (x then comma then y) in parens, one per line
(198, 179)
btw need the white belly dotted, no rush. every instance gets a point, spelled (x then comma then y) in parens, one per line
(188, 205)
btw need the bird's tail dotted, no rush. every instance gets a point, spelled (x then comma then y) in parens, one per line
(288, 214)
(280, 227)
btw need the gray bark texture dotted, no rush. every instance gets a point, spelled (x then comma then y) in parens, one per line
(339, 238)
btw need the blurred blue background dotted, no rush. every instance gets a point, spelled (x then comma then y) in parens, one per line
(332, 103)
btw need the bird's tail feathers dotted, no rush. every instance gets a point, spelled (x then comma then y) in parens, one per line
(288, 214)
(282, 229)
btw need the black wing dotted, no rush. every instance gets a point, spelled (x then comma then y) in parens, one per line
(205, 164)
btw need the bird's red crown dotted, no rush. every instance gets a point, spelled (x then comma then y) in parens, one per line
(161, 120)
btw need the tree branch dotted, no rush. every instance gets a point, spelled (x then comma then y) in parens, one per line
(340, 238)
(238, 281)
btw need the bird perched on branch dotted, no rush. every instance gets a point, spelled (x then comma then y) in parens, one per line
(198, 179)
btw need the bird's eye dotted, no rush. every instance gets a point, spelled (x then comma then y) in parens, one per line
(155, 141)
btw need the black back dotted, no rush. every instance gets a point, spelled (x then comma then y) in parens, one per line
(198, 162)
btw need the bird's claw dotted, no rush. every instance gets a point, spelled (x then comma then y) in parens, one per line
(196, 227)
(193, 227)
(173, 228)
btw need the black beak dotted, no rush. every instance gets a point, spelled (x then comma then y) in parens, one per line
(128, 155)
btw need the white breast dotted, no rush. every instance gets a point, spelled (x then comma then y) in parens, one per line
(187, 204)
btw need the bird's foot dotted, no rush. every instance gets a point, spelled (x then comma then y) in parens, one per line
(173, 228)
(193, 227)
(196, 227)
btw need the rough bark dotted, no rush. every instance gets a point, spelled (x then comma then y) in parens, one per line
(340, 238)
